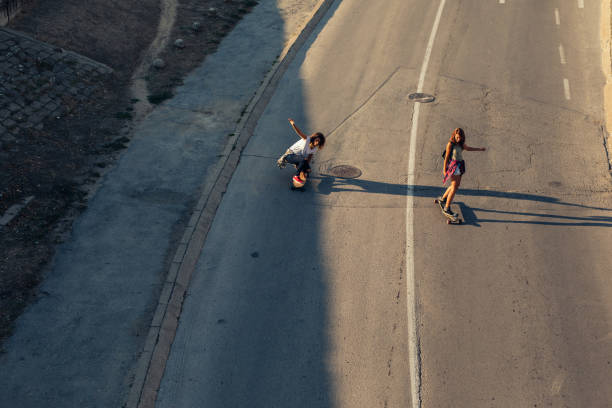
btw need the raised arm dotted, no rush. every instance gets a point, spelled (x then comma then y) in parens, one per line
(297, 129)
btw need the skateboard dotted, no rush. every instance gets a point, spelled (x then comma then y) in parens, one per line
(450, 219)
(297, 183)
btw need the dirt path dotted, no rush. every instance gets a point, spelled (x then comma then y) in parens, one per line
(139, 88)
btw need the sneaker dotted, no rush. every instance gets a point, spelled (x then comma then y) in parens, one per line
(448, 211)
(298, 182)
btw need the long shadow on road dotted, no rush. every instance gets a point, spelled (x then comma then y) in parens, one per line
(328, 184)
(253, 329)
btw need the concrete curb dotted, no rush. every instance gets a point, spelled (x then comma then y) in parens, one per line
(152, 362)
(606, 36)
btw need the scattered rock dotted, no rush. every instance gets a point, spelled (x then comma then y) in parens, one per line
(196, 26)
(179, 43)
(159, 63)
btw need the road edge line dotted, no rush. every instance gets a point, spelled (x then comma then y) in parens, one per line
(151, 365)
(606, 60)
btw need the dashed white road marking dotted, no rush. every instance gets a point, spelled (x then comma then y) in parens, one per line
(562, 54)
(502, 1)
(557, 383)
(557, 18)
(566, 89)
(580, 3)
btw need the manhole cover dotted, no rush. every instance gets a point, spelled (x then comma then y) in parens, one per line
(421, 97)
(345, 171)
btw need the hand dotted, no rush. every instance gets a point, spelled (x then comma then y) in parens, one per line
(292, 122)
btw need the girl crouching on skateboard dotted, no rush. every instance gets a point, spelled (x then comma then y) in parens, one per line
(454, 167)
(301, 152)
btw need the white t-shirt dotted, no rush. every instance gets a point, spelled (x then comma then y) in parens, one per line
(302, 147)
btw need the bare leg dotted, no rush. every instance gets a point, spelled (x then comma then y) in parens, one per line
(449, 195)
(447, 192)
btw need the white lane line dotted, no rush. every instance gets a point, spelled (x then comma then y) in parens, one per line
(415, 371)
(502, 1)
(557, 18)
(562, 54)
(580, 3)
(427, 56)
(566, 89)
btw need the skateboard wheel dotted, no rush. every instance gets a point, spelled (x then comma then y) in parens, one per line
(448, 222)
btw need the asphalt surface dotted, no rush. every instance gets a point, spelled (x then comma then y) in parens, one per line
(300, 298)
(306, 298)
(516, 306)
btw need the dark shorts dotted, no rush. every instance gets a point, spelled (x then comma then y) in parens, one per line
(299, 161)
(460, 168)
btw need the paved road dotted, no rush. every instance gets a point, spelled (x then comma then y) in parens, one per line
(515, 307)
(303, 299)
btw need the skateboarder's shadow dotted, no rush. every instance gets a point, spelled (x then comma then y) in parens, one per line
(328, 184)
(331, 184)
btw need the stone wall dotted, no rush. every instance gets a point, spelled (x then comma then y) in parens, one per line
(39, 82)
(8, 9)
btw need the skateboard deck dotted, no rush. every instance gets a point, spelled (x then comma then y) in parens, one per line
(450, 219)
(297, 184)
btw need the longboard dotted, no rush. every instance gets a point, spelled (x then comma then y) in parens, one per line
(297, 184)
(450, 218)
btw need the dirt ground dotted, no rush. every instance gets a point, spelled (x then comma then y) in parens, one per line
(60, 164)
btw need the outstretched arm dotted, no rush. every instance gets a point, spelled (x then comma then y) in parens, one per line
(297, 129)
(474, 149)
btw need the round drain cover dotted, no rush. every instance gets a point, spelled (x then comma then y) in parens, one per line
(345, 171)
(421, 97)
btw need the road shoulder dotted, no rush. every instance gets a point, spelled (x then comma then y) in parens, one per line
(606, 36)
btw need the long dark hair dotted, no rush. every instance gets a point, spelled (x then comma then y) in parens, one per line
(461, 133)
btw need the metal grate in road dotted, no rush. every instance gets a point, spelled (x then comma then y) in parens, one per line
(421, 97)
(345, 171)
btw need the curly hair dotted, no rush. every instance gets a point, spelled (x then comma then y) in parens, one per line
(321, 138)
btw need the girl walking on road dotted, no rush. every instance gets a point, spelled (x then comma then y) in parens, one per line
(454, 166)
(301, 152)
